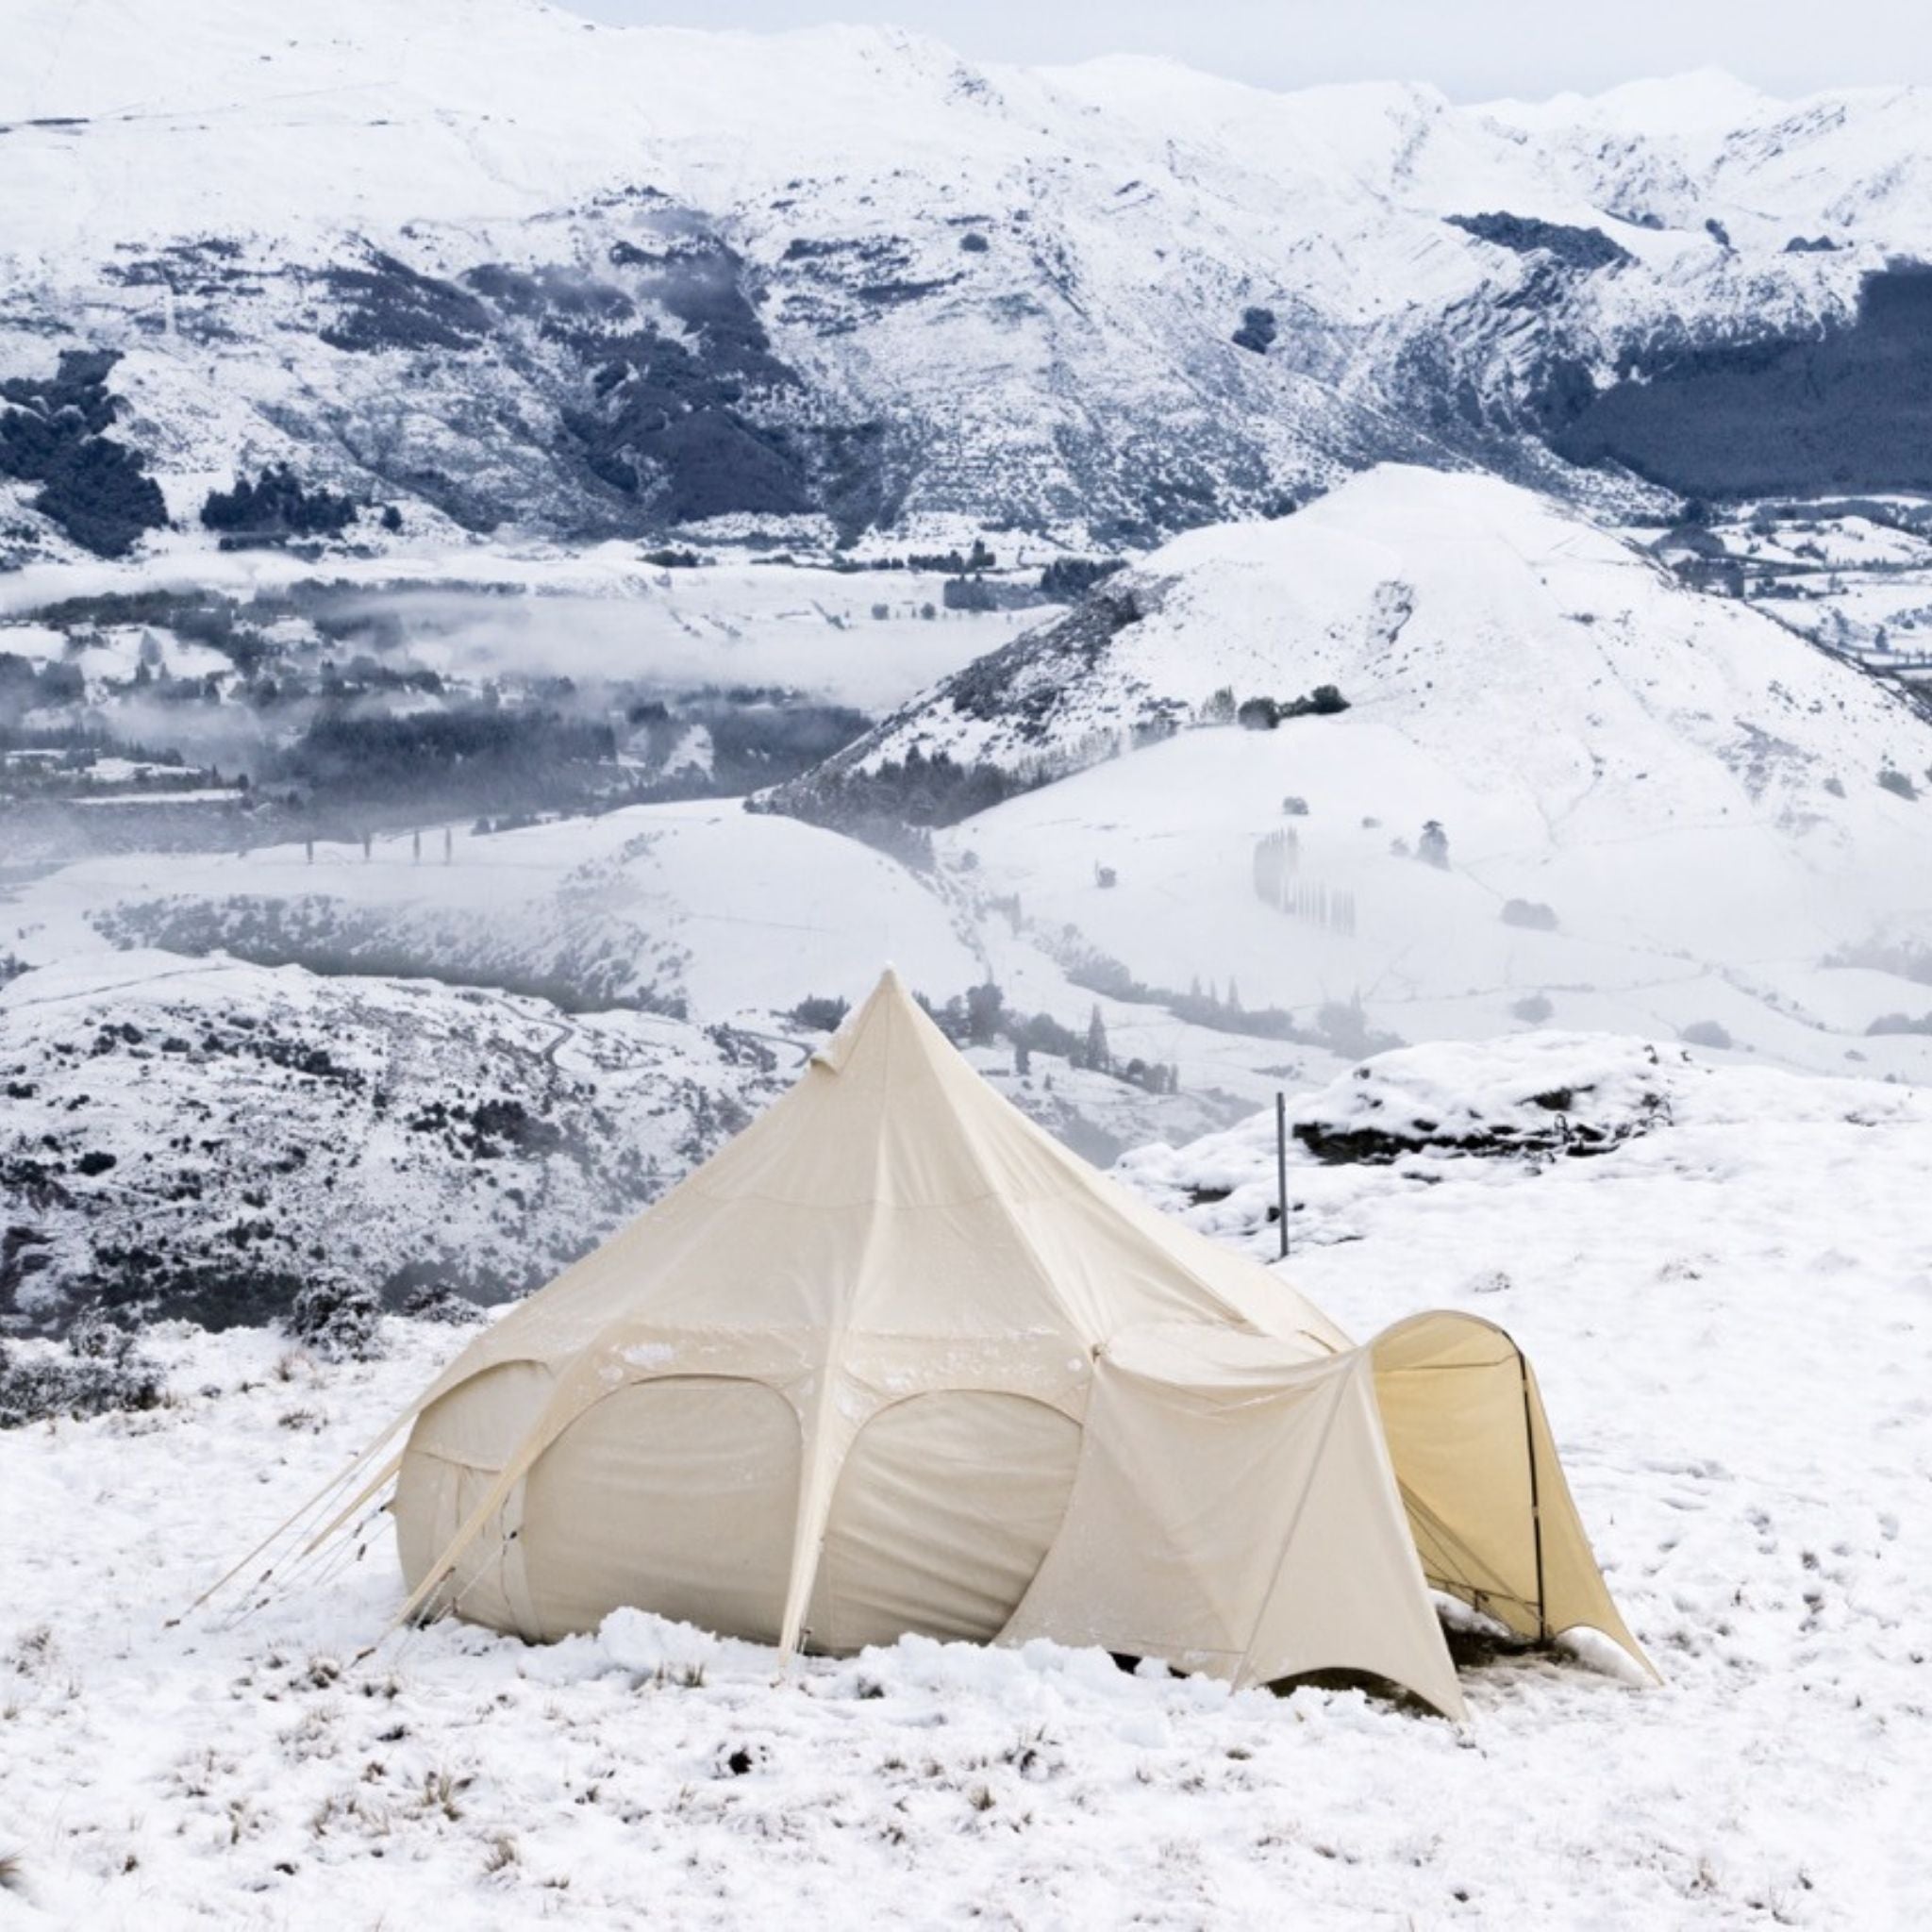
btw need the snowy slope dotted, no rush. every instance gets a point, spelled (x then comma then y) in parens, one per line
(1731, 1317)
(1684, 793)
(702, 908)
(206, 1139)
(503, 267)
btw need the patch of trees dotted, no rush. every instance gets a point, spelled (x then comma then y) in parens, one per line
(1340, 1025)
(951, 563)
(980, 1017)
(1900, 1023)
(1841, 408)
(25, 686)
(475, 755)
(820, 1013)
(1264, 713)
(386, 304)
(53, 433)
(920, 791)
(276, 506)
(968, 593)
(758, 739)
(1067, 579)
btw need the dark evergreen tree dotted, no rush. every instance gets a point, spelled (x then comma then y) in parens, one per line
(1096, 1054)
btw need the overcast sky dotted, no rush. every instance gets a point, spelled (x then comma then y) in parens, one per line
(1474, 51)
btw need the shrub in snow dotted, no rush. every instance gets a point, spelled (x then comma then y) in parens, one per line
(439, 1302)
(1343, 1025)
(337, 1320)
(1534, 1009)
(1547, 1094)
(1257, 331)
(818, 1013)
(1706, 1033)
(97, 1371)
(1531, 914)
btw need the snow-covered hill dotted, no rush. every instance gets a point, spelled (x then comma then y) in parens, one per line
(700, 908)
(1731, 1317)
(490, 265)
(1652, 807)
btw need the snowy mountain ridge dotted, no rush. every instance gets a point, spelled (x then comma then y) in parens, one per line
(499, 268)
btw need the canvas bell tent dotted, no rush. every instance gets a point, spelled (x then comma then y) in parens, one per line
(895, 1360)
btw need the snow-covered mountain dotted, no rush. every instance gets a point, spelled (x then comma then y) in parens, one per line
(487, 265)
(1653, 806)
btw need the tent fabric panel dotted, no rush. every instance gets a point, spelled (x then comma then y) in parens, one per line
(1348, 1591)
(453, 1457)
(433, 1499)
(904, 1178)
(481, 1422)
(946, 1506)
(1215, 1516)
(1454, 1418)
(675, 1496)
(1488, 1502)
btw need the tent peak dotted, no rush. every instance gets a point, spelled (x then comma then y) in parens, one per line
(889, 994)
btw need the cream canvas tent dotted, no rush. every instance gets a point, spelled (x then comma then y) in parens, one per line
(895, 1360)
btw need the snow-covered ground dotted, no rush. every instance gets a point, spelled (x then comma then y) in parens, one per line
(1731, 1314)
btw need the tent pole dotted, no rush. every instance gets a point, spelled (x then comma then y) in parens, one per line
(1281, 1164)
(1536, 1507)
